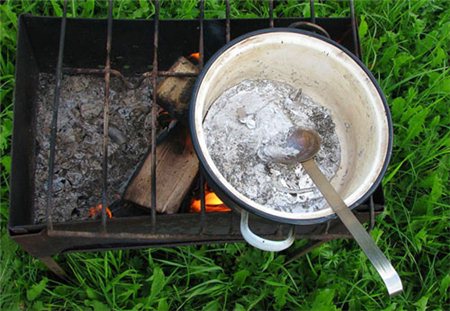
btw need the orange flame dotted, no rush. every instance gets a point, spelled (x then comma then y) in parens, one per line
(94, 211)
(212, 204)
(196, 56)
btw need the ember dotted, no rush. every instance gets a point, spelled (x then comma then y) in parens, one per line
(94, 211)
(195, 56)
(164, 118)
(212, 204)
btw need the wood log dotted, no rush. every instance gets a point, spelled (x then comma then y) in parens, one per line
(174, 93)
(176, 168)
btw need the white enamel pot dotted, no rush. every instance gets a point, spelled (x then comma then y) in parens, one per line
(331, 76)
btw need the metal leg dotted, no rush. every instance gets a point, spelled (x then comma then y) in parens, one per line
(305, 250)
(54, 267)
(372, 214)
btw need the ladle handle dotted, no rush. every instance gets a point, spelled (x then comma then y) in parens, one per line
(260, 242)
(365, 241)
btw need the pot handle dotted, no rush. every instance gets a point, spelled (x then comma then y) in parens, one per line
(261, 243)
(310, 27)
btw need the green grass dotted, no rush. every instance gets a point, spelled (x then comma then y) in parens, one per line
(405, 45)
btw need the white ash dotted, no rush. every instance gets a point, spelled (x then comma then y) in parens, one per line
(77, 180)
(247, 127)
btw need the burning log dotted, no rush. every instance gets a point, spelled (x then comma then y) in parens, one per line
(176, 163)
(176, 167)
(212, 204)
(174, 93)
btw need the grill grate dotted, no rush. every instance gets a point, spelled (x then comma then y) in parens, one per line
(178, 229)
(153, 76)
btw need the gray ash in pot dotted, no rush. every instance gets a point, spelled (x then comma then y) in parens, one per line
(78, 164)
(250, 121)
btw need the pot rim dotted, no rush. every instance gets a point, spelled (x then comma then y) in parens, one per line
(223, 188)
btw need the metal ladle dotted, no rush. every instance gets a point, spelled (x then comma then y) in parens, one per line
(307, 142)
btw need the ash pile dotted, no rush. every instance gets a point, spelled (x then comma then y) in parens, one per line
(250, 121)
(77, 179)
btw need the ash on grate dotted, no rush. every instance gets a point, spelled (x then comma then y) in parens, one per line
(253, 119)
(78, 165)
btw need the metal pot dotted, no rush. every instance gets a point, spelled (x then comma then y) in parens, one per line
(330, 75)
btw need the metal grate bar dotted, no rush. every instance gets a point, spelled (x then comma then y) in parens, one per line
(312, 11)
(107, 102)
(201, 38)
(54, 124)
(118, 74)
(202, 202)
(271, 24)
(200, 64)
(154, 111)
(96, 71)
(175, 74)
(227, 39)
(354, 29)
(227, 17)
